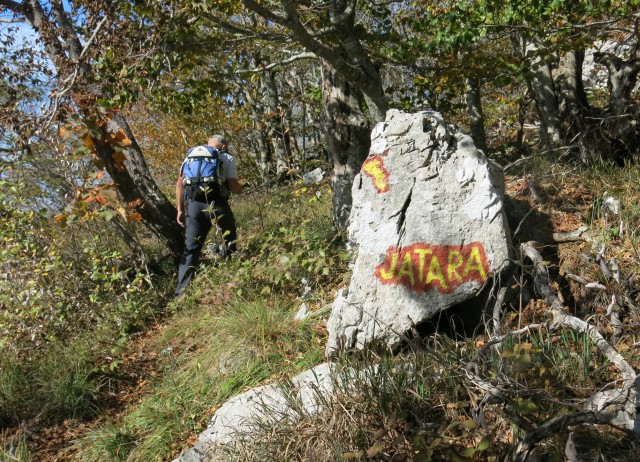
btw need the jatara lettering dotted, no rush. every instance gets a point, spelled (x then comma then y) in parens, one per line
(422, 267)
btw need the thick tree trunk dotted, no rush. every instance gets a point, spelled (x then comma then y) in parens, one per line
(621, 118)
(623, 75)
(347, 133)
(476, 117)
(264, 154)
(264, 157)
(571, 95)
(126, 165)
(540, 81)
(574, 108)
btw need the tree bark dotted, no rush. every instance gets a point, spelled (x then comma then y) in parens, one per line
(347, 134)
(621, 117)
(128, 168)
(264, 154)
(274, 125)
(476, 117)
(571, 95)
(540, 81)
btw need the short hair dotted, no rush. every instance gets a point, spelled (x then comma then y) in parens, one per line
(219, 138)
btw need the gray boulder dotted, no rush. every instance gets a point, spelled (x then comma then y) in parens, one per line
(427, 226)
(237, 417)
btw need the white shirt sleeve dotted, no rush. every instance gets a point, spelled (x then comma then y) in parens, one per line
(229, 169)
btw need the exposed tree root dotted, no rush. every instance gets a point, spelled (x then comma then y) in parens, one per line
(617, 406)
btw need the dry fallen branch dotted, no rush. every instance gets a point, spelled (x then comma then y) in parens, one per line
(615, 406)
(579, 234)
(552, 427)
(603, 407)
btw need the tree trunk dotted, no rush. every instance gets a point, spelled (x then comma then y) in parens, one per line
(574, 107)
(265, 156)
(621, 117)
(476, 117)
(540, 81)
(130, 173)
(623, 75)
(274, 127)
(571, 95)
(347, 133)
(128, 168)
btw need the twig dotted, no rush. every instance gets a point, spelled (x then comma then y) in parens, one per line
(515, 233)
(607, 409)
(284, 62)
(92, 38)
(572, 236)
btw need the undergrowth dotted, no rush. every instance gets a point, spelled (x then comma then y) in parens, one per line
(234, 329)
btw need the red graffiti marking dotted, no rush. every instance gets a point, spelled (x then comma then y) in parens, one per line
(422, 267)
(374, 168)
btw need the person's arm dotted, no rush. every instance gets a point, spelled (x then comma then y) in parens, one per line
(234, 185)
(180, 200)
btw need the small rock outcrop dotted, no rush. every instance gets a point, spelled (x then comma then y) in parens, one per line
(235, 418)
(428, 227)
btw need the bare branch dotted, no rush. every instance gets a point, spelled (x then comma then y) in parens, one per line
(572, 236)
(14, 7)
(245, 32)
(92, 38)
(11, 20)
(626, 394)
(66, 29)
(265, 12)
(554, 426)
(344, 15)
(283, 62)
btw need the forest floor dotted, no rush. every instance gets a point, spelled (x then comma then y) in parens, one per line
(126, 385)
(553, 202)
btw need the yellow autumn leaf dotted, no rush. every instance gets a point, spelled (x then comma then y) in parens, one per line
(119, 157)
(88, 142)
(134, 217)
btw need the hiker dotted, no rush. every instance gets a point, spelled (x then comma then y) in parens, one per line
(203, 201)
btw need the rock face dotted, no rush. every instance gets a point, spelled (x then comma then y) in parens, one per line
(428, 226)
(236, 417)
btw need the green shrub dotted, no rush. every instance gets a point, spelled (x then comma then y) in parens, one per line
(61, 384)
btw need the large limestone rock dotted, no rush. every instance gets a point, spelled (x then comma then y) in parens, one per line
(428, 226)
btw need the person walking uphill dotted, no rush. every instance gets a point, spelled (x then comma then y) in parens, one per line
(207, 177)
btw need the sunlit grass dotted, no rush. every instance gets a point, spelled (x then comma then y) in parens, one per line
(209, 357)
(15, 449)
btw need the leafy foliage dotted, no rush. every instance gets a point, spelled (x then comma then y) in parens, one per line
(294, 245)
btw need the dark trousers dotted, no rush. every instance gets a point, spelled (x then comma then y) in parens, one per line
(199, 219)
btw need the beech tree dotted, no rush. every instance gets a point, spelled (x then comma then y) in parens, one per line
(354, 97)
(542, 44)
(70, 43)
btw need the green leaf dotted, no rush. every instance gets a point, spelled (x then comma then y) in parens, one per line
(435, 442)
(468, 452)
(526, 406)
(107, 215)
(484, 444)
(469, 424)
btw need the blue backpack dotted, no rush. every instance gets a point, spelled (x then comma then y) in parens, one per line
(200, 171)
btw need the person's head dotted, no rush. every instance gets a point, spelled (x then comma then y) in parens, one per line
(218, 142)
